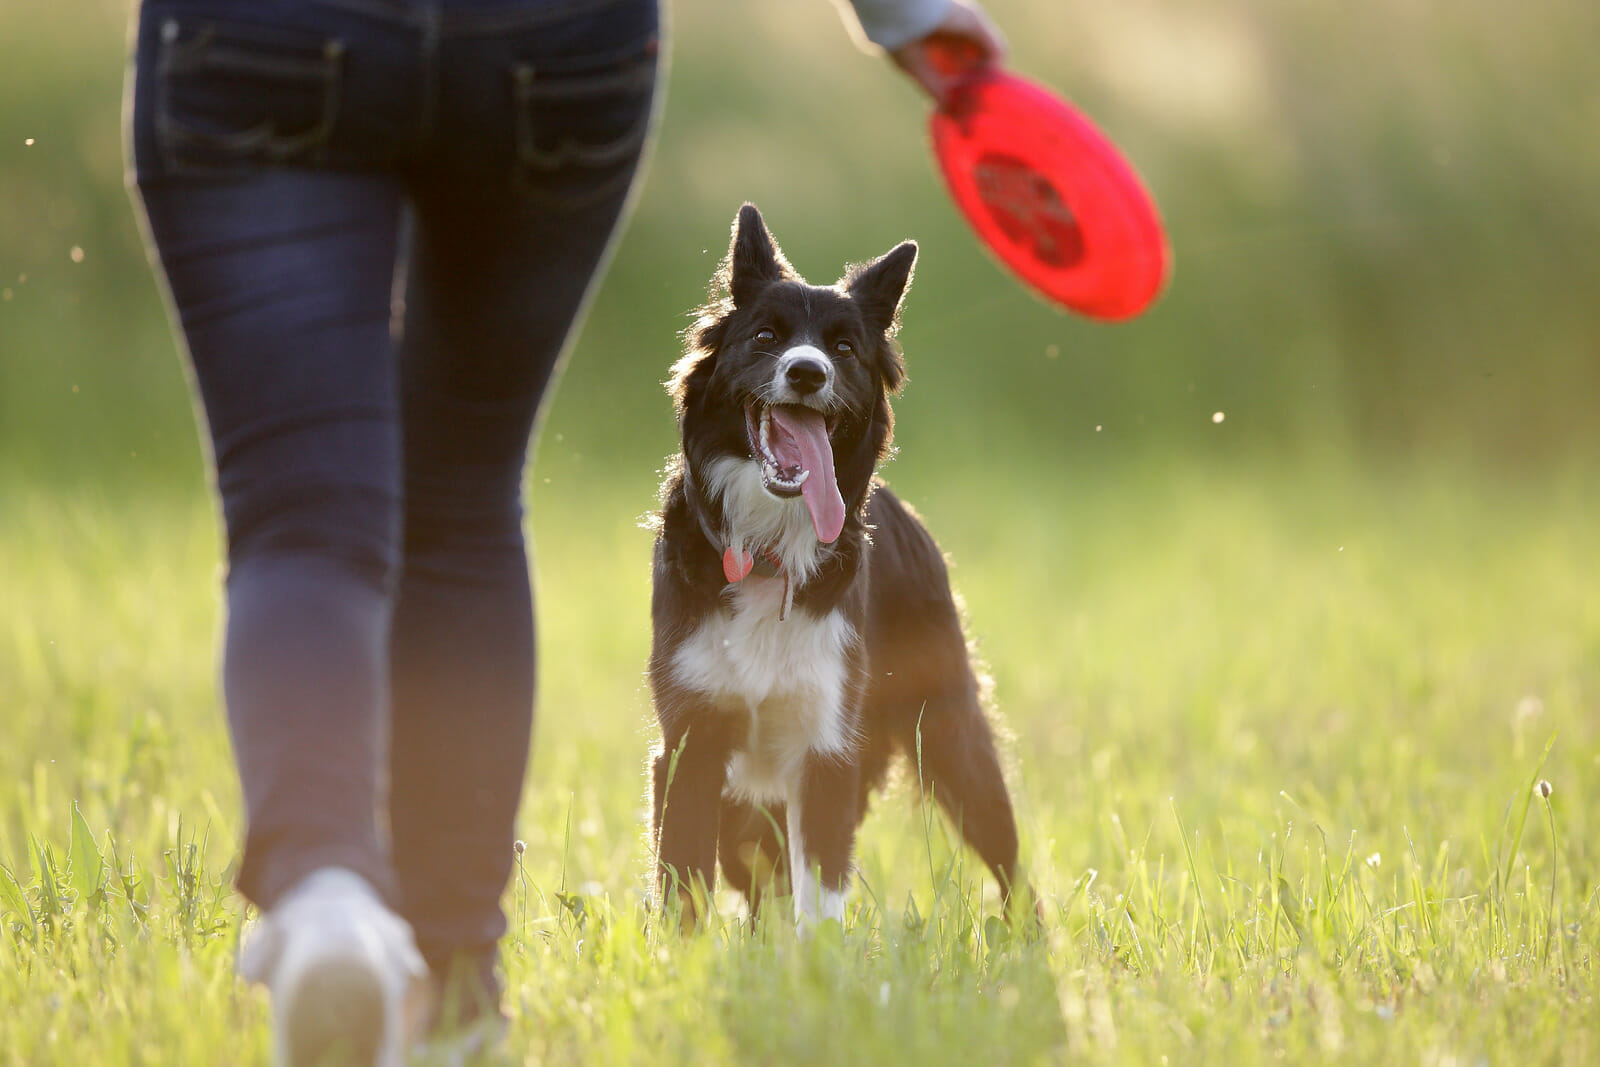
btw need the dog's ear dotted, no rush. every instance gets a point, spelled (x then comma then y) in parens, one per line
(754, 260)
(878, 287)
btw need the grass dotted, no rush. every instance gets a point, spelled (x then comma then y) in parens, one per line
(1276, 739)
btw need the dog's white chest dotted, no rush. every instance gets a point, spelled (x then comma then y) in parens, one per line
(788, 677)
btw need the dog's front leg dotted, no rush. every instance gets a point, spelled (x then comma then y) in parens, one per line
(689, 774)
(822, 836)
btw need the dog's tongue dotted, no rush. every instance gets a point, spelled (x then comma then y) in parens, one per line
(804, 443)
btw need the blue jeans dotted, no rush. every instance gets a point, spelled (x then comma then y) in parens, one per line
(379, 220)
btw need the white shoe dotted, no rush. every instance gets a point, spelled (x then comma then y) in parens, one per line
(344, 974)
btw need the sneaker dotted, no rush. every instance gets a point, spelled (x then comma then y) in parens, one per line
(344, 974)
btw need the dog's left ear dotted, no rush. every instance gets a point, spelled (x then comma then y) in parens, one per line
(878, 287)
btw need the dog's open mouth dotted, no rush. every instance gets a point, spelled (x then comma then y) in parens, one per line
(791, 441)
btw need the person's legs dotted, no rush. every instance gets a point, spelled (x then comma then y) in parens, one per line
(501, 260)
(519, 161)
(281, 281)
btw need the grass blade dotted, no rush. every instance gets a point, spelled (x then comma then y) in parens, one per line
(1522, 817)
(12, 898)
(1194, 873)
(85, 866)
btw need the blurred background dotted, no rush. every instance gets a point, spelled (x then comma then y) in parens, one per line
(1384, 217)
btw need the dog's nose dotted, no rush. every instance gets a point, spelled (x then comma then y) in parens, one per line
(806, 376)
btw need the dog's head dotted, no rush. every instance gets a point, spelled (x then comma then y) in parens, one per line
(794, 378)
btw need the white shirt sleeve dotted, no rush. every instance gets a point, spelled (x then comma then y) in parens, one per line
(892, 23)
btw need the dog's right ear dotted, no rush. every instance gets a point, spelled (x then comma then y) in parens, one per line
(754, 260)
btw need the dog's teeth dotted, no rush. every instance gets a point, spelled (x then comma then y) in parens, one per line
(800, 479)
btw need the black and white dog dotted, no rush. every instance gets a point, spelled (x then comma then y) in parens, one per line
(804, 627)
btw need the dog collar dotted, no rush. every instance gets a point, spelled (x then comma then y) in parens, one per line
(737, 563)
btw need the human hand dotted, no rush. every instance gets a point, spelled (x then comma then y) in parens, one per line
(965, 42)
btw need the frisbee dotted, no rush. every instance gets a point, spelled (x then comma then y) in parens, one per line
(1050, 195)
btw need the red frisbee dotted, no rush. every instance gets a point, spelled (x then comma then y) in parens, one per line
(1051, 195)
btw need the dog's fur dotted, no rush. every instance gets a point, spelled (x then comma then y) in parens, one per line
(783, 696)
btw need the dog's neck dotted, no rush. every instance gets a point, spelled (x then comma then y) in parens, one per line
(751, 531)
(767, 563)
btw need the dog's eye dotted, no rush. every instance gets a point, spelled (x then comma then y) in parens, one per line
(766, 335)
(844, 348)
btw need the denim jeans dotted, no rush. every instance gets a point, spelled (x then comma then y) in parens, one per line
(378, 221)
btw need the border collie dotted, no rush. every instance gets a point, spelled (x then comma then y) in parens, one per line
(804, 626)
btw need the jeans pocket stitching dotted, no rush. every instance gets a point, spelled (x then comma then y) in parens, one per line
(636, 78)
(202, 53)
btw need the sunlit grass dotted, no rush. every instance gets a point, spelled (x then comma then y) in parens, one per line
(1276, 740)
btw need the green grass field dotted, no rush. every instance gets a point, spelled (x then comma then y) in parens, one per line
(1274, 737)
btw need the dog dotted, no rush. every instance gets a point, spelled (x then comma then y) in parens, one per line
(804, 628)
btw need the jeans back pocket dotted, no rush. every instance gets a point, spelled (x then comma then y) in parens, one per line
(580, 125)
(234, 94)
